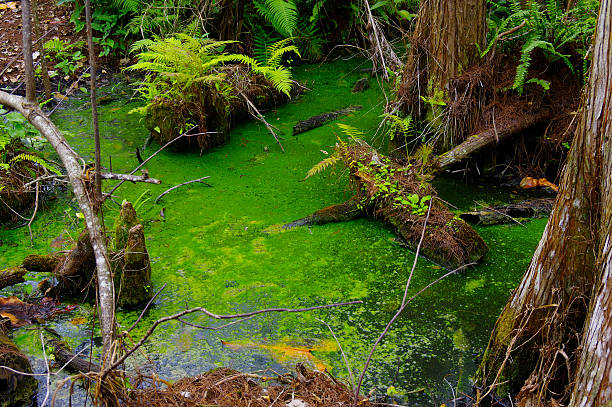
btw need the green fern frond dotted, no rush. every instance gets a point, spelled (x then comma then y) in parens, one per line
(34, 159)
(350, 131)
(323, 165)
(282, 14)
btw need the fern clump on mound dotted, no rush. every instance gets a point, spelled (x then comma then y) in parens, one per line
(193, 82)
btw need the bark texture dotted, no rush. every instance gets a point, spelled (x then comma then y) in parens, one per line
(443, 46)
(548, 338)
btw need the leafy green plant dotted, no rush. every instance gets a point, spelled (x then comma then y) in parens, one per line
(15, 131)
(177, 63)
(68, 57)
(547, 26)
(282, 14)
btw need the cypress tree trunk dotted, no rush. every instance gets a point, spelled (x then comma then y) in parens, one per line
(541, 345)
(443, 46)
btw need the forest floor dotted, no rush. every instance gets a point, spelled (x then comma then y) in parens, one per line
(54, 24)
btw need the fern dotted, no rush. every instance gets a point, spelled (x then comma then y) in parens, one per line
(282, 14)
(547, 26)
(323, 165)
(398, 126)
(34, 159)
(350, 131)
(175, 64)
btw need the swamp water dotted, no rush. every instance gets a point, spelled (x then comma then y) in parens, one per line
(211, 249)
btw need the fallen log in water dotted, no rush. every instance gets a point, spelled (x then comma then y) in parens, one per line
(15, 389)
(11, 276)
(535, 208)
(399, 194)
(65, 356)
(495, 134)
(321, 119)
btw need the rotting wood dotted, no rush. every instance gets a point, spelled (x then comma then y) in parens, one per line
(321, 119)
(450, 241)
(65, 356)
(16, 388)
(491, 136)
(535, 208)
(11, 276)
(41, 263)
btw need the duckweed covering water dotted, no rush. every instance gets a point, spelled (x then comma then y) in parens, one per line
(211, 250)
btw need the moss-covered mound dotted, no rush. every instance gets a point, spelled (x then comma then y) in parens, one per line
(213, 110)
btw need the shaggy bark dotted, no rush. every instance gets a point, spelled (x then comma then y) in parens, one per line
(541, 344)
(443, 45)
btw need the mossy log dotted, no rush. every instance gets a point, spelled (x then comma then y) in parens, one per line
(343, 212)
(491, 136)
(321, 119)
(214, 112)
(136, 277)
(42, 263)
(64, 355)
(15, 389)
(398, 193)
(11, 276)
(535, 208)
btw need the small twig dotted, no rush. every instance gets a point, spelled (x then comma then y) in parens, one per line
(257, 114)
(147, 307)
(42, 340)
(214, 316)
(43, 178)
(33, 216)
(180, 185)
(501, 213)
(346, 362)
(110, 193)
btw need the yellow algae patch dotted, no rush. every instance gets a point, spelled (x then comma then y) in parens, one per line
(284, 353)
(259, 246)
(233, 292)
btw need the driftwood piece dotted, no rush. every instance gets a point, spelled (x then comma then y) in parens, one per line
(491, 136)
(535, 208)
(321, 119)
(64, 356)
(15, 389)
(11, 276)
(361, 85)
(131, 178)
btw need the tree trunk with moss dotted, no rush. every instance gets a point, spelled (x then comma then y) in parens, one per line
(552, 340)
(443, 46)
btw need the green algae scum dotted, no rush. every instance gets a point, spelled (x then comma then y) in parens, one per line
(219, 246)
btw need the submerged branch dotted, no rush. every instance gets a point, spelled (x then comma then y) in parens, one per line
(214, 316)
(200, 180)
